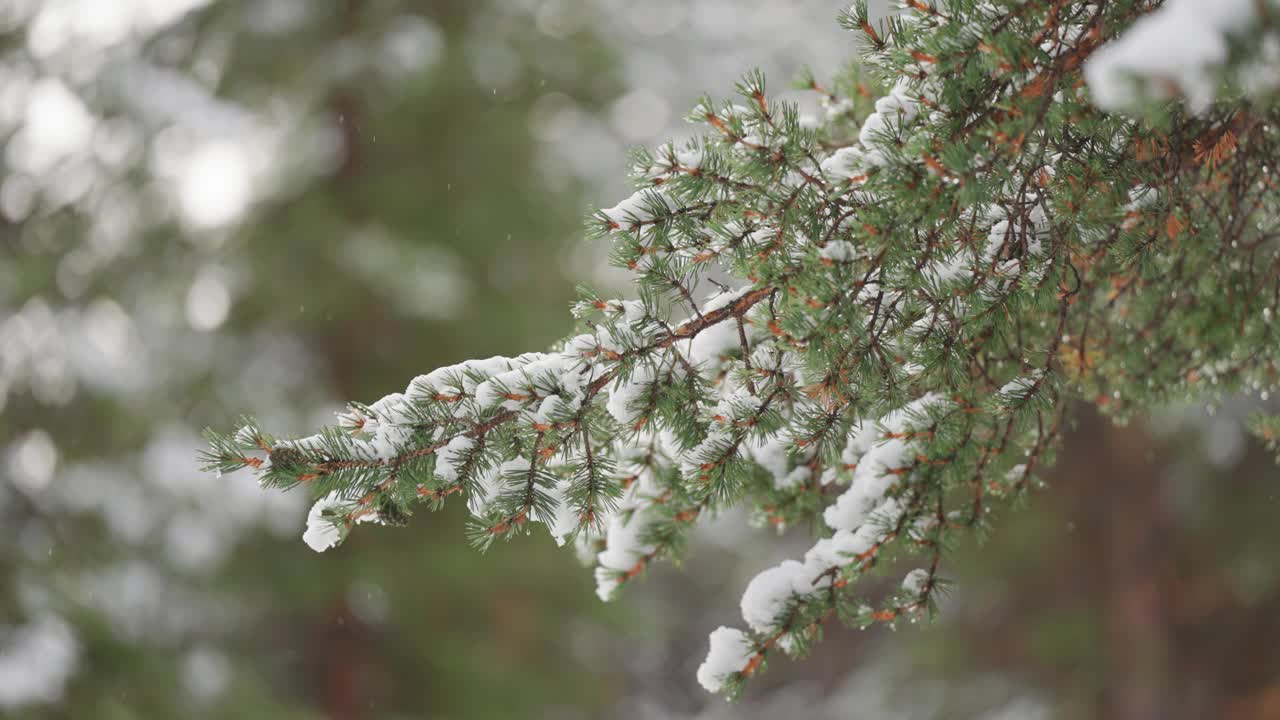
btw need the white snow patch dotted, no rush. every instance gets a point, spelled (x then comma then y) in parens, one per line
(729, 653)
(769, 593)
(1182, 44)
(322, 533)
(915, 581)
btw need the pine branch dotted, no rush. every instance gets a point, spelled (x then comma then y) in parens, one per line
(913, 290)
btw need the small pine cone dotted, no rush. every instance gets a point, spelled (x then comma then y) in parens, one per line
(390, 513)
(287, 459)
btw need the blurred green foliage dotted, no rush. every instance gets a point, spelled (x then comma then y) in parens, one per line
(433, 176)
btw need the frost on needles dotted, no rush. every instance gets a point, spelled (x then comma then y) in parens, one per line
(911, 291)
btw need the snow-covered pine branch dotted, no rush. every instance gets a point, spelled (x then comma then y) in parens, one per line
(914, 290)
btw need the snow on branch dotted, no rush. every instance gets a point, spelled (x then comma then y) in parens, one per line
(1186, 47)
(871, 323)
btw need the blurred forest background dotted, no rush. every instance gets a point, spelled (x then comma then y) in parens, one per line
(272, 206)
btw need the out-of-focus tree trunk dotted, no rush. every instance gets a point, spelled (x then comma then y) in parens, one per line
(344, 663)
(1113, 482)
